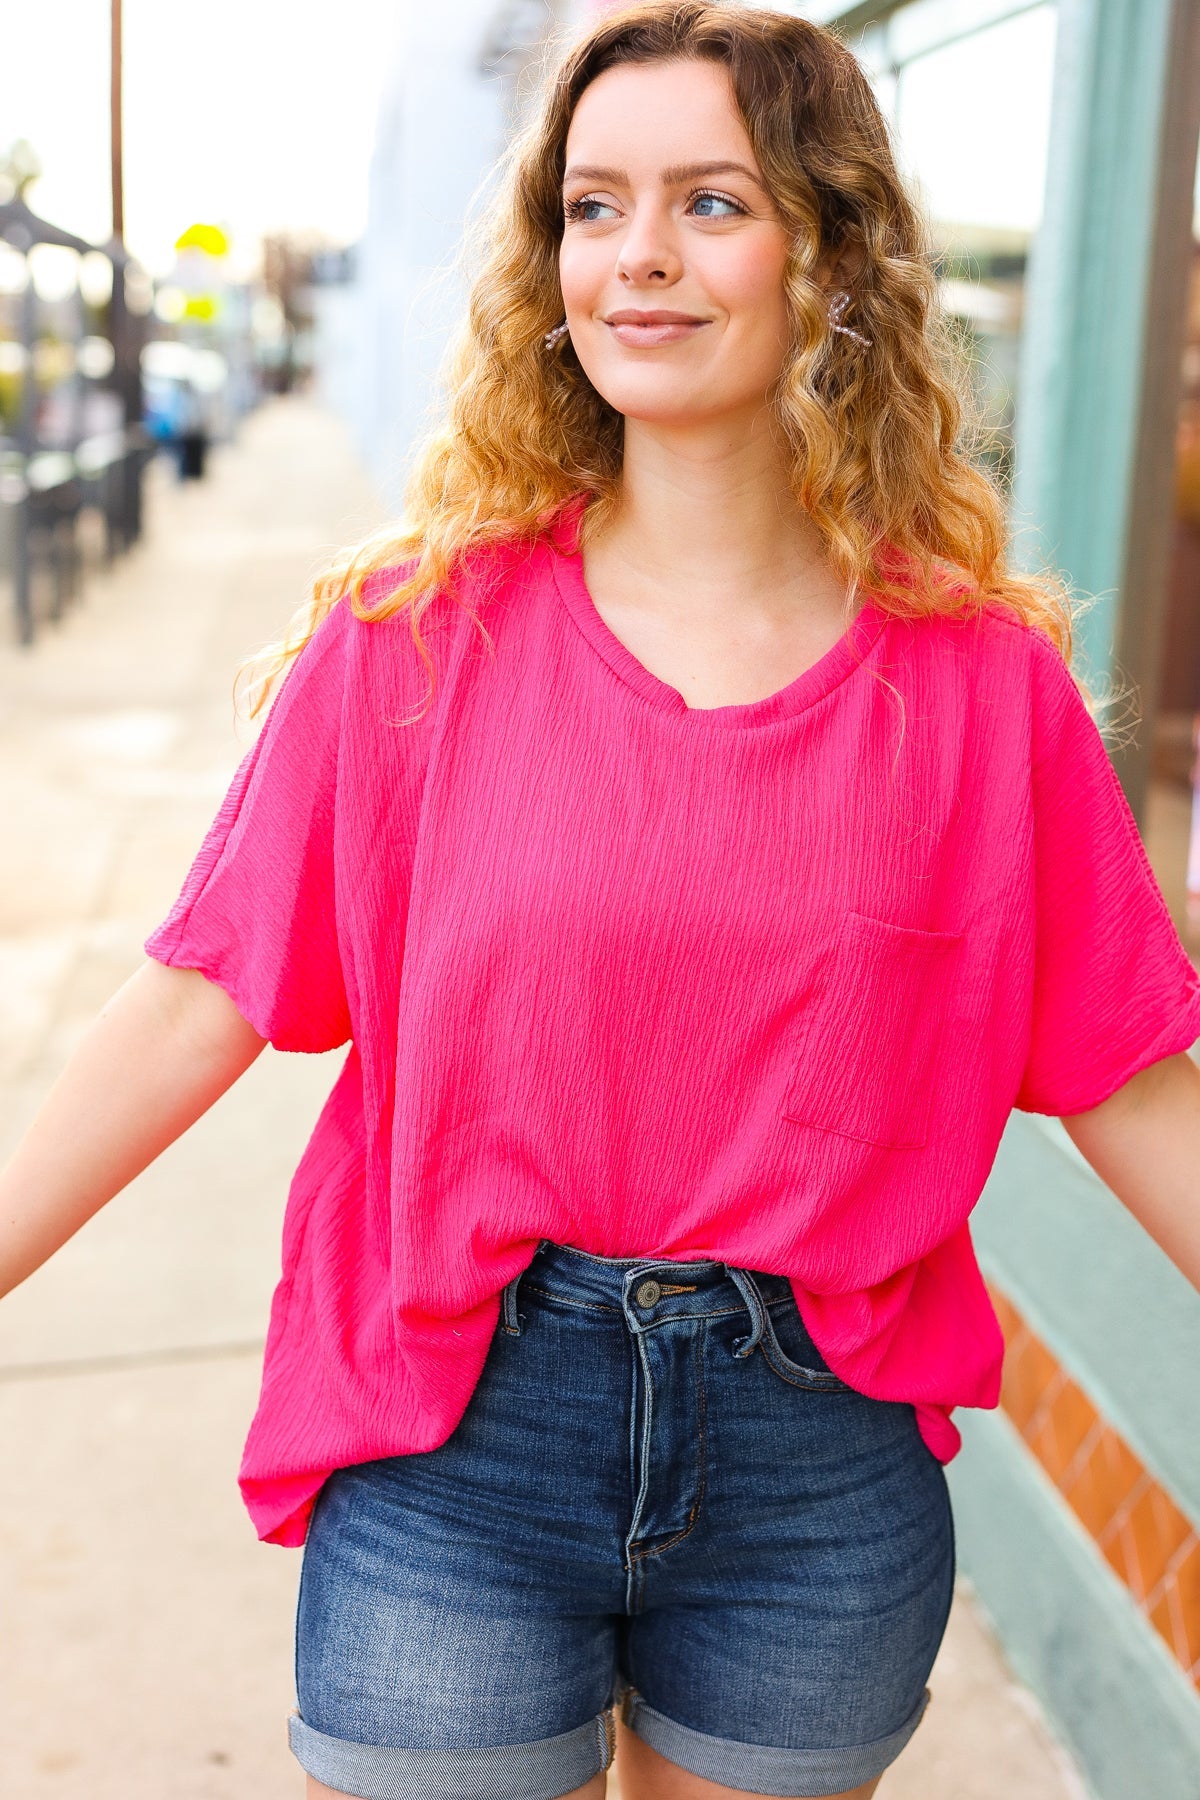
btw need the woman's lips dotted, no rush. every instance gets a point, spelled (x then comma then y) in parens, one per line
(651, 331)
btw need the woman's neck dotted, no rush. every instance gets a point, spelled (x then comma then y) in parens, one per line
(714, 520)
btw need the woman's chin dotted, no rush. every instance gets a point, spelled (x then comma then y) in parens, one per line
(677, 408)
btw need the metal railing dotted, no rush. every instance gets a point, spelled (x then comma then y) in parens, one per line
(48, 479)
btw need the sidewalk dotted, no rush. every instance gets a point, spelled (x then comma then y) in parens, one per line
(146, 1646)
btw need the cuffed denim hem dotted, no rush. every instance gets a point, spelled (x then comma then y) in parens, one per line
(761, 1768)
(543, 1770)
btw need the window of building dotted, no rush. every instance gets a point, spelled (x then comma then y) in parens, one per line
(967, 86)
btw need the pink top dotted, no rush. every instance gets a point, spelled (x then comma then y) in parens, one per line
(753, 983)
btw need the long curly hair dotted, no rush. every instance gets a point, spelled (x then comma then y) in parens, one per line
(879, 454)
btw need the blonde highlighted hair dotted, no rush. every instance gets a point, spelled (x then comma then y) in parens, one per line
(874, 434)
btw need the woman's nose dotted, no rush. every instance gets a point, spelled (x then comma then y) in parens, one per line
(648, 251)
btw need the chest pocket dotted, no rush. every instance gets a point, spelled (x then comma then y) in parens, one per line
(865, 1050)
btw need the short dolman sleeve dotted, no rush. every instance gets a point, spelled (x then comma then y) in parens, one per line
(1113, 987)
(258, 912)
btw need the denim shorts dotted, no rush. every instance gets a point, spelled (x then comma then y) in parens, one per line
(659, 1498)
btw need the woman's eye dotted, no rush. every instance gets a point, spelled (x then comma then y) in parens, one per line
(587, 210)
(705, 206)
(583, 210)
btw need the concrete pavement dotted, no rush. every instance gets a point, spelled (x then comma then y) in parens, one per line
(145, 1643)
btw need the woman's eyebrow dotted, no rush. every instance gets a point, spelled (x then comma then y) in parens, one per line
(671, 177)
(690, 171)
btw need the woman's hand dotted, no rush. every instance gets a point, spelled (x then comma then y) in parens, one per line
(1144, 1142)
(164, 1048)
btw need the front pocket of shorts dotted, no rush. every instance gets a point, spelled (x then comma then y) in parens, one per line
(866, 1045)
(801, 1362)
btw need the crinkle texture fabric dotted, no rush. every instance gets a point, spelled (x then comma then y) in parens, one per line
(755, 984)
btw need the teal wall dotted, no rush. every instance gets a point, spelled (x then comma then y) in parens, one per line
(1101, 1294)
(1087, 304)
(1069, 1628)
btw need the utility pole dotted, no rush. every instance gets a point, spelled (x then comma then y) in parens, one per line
(126, 335)
(118, 172)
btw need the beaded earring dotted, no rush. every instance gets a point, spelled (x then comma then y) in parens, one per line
(839, 304)
(555, 337)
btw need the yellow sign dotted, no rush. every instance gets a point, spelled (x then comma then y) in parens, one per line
(208, 238)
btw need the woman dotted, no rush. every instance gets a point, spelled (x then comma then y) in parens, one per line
(695, 925)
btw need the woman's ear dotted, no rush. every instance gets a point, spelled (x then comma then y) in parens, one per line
(840, 268)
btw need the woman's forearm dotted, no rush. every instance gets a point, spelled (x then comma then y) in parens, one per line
(165, 1047)
(1144, 1142)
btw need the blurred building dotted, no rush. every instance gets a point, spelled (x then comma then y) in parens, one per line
(459, 82)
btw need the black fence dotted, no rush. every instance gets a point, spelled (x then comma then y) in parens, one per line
(71, 433)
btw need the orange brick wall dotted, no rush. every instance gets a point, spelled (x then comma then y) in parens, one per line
(1152, 1546)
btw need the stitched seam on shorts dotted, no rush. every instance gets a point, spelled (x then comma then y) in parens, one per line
(719, 1312)
(702, 1462)
(637, 1556)
(588, 1305)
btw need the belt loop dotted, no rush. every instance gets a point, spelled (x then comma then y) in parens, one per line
(746, 1285)
(511, 1319)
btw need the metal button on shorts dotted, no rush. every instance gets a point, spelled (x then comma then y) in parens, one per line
(647, 1293)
